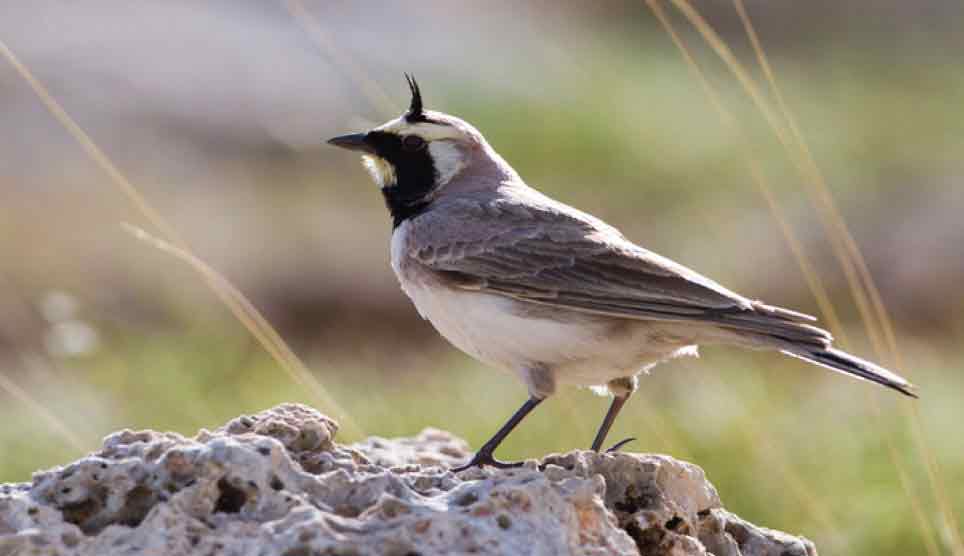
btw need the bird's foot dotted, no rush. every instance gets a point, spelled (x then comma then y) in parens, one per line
(615, 447)
(483, 458)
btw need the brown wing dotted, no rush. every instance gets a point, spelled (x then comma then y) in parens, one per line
(550, 255)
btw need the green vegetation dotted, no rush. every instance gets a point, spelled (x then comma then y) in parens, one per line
(788, 445)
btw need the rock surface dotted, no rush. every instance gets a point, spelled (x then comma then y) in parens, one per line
(276, 484)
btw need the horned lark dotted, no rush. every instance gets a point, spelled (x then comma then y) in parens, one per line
(525, 283)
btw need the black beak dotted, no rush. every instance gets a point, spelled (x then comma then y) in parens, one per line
(353, 142)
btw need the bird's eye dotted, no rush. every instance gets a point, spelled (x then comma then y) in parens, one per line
(413, 143)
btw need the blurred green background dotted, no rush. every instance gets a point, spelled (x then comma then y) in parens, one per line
(217, 111)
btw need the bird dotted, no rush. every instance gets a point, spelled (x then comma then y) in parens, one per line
(556, 296)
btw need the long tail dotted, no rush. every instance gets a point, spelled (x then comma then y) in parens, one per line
(843, 362)
(791, 333)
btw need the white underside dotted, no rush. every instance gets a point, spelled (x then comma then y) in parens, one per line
(582, 350)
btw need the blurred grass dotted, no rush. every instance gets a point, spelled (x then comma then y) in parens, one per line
(634, 141)
(710, 411)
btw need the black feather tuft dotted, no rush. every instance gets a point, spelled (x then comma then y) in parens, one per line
(415, 108)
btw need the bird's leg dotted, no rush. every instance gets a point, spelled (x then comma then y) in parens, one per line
(618, 402)
(484, 455)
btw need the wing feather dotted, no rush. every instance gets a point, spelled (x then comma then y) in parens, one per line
(551, 254)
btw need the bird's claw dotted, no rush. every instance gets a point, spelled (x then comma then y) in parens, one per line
(483, 458)
(615, 447)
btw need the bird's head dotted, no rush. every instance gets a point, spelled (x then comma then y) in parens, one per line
(415, 156)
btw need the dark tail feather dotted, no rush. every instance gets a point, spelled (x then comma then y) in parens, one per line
(843, 362)
(792, 334)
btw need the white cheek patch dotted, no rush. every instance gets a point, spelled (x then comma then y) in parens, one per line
(448, 159)
(380, 169)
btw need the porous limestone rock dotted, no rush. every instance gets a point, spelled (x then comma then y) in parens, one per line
(276, 484)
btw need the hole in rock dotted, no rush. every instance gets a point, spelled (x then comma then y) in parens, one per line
(231, 499)
(137, 504)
